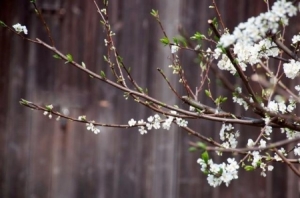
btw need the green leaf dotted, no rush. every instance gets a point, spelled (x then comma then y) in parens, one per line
(105, 58)
(49, 107)
(56, 56)
(69, 58)
(140, 89)
(165, 41)
(249, 168)
(120, 59)
(205, 156)
(2, 24)
(192, 149)
(175, 40)
(207, 92)
(201, 145)
(198, 36)
(209, 32)
(83, 64)
(154, 13)
(102, 74)
(215, 22)
(220, 100)
(24, 102)
(32, 1)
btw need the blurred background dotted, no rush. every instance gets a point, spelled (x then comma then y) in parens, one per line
(41, 157)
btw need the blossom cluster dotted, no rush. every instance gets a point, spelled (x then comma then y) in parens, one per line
(156, 122)
(257, 159)
(238, 100)
(91, 127)
(249, 41)
(228, 136)
(281, 107)
(256, 28)
(219, 173)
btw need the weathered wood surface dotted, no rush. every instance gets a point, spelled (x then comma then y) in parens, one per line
(45, 158)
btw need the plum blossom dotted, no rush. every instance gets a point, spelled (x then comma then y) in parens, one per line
(19, 28)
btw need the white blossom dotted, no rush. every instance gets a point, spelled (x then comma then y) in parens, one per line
(291, 69)
(282, 151)
(142, 129)
(19, 28)
(297, 150)
(296, 39)
(90, 127)
(268, 130)
(174, 49)
(220, 173)
(262, 143)
(131, 122)
(250, 143)
(273, 106)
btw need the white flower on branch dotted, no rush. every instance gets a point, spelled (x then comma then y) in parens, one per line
(296, 39)
(19, 28)
(142, 129)
(82, 118)
(268, 131)
(273, 106)
(48, 110)
(262, 143)
(297, 150)
(131, 122)
(256, 158)
(225, 64)
(228, 136)
(291, 69)
(256, 28)
(250, 143)
(263, 166)
(174, 49)
(48, 113)
(219, 173)
(282, 151)
(297, 87)
(90, 127)
(290, 134)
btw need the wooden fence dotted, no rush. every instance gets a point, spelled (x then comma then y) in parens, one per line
(60, 159)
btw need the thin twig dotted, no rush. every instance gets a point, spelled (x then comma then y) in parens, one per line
(44, 23)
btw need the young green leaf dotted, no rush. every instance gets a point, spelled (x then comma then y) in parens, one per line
(205, 156)
(192, 149)
(102, 74)
(249, 168)
(24, 102)
(165, 41)
(154, 13)
(69, 57)
(207, 92)
(56, 56)
(120, 59)
(201, 145)
(2, 24)
(198, 36)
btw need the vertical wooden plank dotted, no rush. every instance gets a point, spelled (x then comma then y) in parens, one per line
(165, 142)
(5, 48)
(191, 181)
(14, 133)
